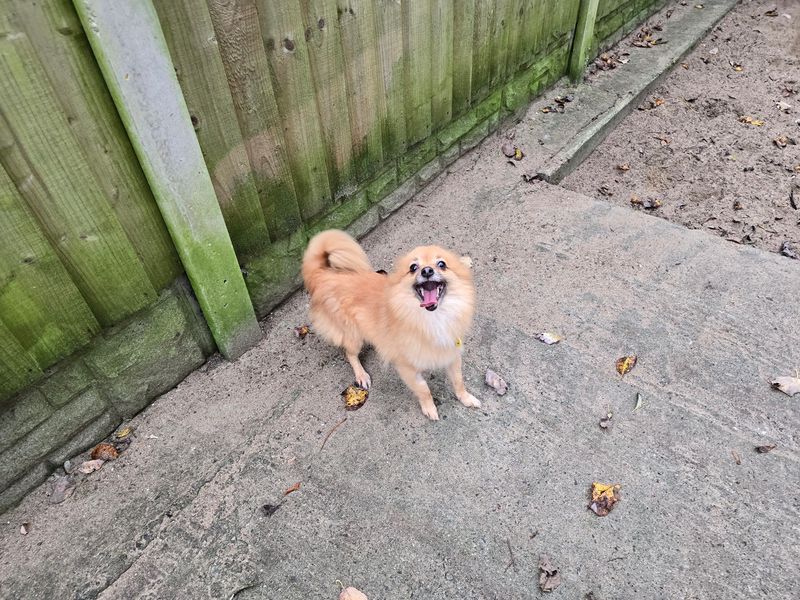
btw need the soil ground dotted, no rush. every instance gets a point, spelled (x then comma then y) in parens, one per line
(694, 154)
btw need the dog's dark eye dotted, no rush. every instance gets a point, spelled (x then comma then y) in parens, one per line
(441, 264)
(413, 268)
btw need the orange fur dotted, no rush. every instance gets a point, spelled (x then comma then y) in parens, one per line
(352, 305)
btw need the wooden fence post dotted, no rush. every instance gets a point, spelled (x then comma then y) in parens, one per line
(582, 42)
(130, 48)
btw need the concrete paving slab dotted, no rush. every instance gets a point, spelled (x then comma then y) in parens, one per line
(557, 143)
(403, 508)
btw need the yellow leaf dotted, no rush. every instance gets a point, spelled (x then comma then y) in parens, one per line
(604, 497)
(354, 397)
(625, 364)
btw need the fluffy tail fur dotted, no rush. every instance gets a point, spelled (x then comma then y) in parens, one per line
(333, 249)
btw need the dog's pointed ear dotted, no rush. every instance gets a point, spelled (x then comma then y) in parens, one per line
(466, 260)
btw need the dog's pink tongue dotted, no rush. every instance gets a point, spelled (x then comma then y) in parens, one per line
(429, 298)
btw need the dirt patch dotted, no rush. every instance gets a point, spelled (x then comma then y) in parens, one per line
(718, 143)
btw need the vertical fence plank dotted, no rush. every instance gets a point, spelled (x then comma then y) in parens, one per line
(320, 20)
(242, 51)
(417, 49)
(499, 42)
(584, 31)
(482, 49)
(284, 40)
(530, 43)
(365, 97)
(442, 62)
(463, 32)
(75, 215)
(389, 19)
(56, 33)
(190, 37)
(39, 303)
(17, 367)
(132, 53)
(515, 23)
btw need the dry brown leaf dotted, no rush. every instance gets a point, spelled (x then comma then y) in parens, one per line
(549, 577)
(494, 381)
(104, 451)
(301, 331)
(291, 489)
(626, 363)
(751, 121)
(603, 497)
(665, 141)
(647, 203)
(736, 458)
(788, 385)
(351, 593)
(62, 488)
(766, 448)
(624, 167)
(90, 466)
(354, 397)
(548, 337)
(123, 434)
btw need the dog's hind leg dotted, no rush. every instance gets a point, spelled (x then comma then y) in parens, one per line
(414, 380)
(351, 350)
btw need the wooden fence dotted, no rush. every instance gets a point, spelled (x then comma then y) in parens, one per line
(304, 110)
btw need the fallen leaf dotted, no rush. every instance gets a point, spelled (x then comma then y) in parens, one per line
(90, 466)
(788, 250)
(61, 490)
(605, 422)
(638, 404)
(518, 154)
(548, 337)
(685, 66)
(783, 106)
(751, 121)
(652, 103)
(291, 489)
(605, 190)
(564, 99)
(766, 448)
(494, 381)
(736, 66)
(624, 167)
(665, 141)
(351, 593)
(301, 331)
(549, 577)
(788, 385)
(508, 150)
(700, 6)
(625, 364)
(354, 397)
(25, 528)
(270, 509)
(123, 434)
(771, 13)
(104, 452)
(647, 203)
(737, 205)
(736, 458)
(604, 497)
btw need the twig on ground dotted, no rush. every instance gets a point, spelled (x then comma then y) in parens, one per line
(335, 427)
(512, 562)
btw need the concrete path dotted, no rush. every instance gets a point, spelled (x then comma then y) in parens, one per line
(403, 508)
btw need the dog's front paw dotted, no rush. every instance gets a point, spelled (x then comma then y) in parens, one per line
(430, 411)
(364, 380)
(469, 400)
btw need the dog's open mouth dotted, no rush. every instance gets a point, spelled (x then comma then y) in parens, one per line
(430, 293)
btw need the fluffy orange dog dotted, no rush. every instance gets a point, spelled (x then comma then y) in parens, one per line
(414, 317)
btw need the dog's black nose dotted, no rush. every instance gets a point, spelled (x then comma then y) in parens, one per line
(427, 272)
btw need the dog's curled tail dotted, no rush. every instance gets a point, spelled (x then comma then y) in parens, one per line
(333, 249)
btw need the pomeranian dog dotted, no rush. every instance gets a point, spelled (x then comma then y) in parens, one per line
(414, 317)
